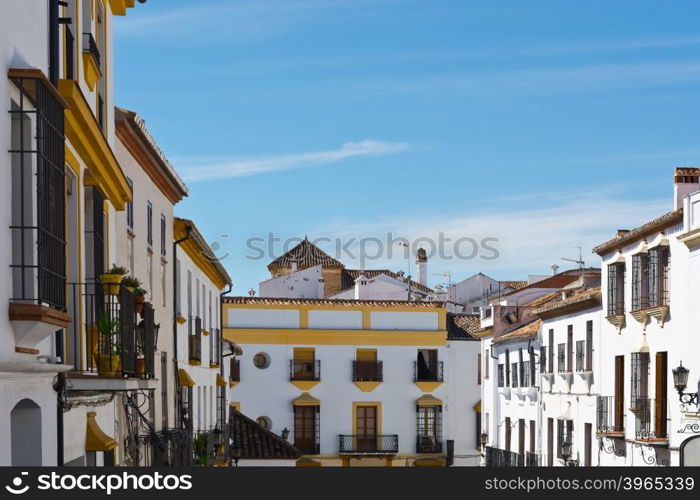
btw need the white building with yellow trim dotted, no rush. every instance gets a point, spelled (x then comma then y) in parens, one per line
(355, 382)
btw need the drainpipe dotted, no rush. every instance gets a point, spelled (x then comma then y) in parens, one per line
(221, 348)
(188, 230)
(59, 386)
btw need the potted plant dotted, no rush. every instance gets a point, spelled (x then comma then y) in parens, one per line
(108, 352)
(139, 299)
(131, 283)
(112, 278)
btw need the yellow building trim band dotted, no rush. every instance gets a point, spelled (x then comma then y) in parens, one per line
(306, 399)
(428, 386)
(220, 382)
(428, 400)
(367, 386)
(304, 318)
(426, 338)
(339, 307)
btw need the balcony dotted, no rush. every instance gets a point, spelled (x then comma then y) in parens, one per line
(533, 459)
(355, 444)
(496, 457)
(367, 371)
(428, 378)
(91, 60)
(114, 342)
(234, 372)
(305, 374)
(606, 421)
(651, 424)
(428, 444)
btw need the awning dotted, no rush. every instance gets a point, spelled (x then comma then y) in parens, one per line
(477, 407)
(220, 382)
(185, 379)
(428, 400)
(306, 399)
(95, 438)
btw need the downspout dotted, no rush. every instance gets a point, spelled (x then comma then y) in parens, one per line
(60, 387)
(221, 349)
(188, 230)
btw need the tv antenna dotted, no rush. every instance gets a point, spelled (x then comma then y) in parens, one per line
(581, 263)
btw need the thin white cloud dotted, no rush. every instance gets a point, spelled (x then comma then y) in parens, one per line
(203, 169)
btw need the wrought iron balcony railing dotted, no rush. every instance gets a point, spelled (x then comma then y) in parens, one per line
(533, 459)
(650, 419)
(305, 370)
(428, 444)
(367, 371)
(115, 343)
(378, 444)
(496, 457)
(90, 46)
(607, 422)
(428, 373)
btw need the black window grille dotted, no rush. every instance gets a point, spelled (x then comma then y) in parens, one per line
(639, 389)
(162, 235)
(525, 374)
(501, 375)
(570, 349)
(616, 289)
(658, 276)
(514, 375)
(580, 355)
(38, 195)
(589, 345)
(543, 359)
(565, 432)
(561, 358)
(550, 366)
(640, 281)
(507, 367)
(130, 207)
(149, 224)
(533, 369)
(70, 53)
(429, 429)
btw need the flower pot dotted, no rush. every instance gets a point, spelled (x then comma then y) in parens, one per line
(180, 320)
(139, 300)
(140, 366)
(108, 365)
(111, 283)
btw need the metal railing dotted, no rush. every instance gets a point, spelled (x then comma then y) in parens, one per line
(378, 444)
(606, 423)
(234, 370)
(533, 459)
(105, 323)
(650, 419)
(428, 374)
(496, 457)
(194, 347)
(367, 371)
(305, 370)
(428, 444)
(90, 46)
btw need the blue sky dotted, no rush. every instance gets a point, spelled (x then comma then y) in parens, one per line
(544, 124)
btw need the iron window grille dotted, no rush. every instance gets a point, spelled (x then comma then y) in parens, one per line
(496, 457)
(658, 276)
(507, 368)
(130, 207)
(580, 355)
(367, 371)
(305, 370)
(640, 379)
(651, 419)
(570, 349)
(149, 223)
(589, 345)
(640, 281)
(525, 374)
(550, 368)
(561, 358)
(375, 444)
(605, 415)
(616, 289)
(38, 195)
(514, 376)
(431, 373)
(565, 432)
(533, 369)
(90, 46)
(163, 244)
(501, 375)
(543, 359)
(429, 429)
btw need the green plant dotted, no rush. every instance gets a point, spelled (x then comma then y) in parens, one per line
(139, 292)
(199, 448)
(131, 282)
(108, 329)
(115, 269)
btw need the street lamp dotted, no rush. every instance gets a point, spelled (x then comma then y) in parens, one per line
(236, 454)
(680, 381)
(484, 438)
(566, 454)
(285, 433)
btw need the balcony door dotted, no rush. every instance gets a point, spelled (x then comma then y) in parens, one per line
(305, 431)
(426, 363)
(366, 428)
(661, 384)
(619, 393)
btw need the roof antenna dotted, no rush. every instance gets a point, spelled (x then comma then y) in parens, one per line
(580, 262)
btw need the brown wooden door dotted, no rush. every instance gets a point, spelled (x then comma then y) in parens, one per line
(521, 442)
(619, 393)
(507, 430)
(661, 395)
(366, 422)
(588, 445)
(305, 428)
(550, 442)
(532, 436)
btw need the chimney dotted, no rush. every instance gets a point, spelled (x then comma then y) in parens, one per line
(422, 266)
(685, 181)
(555, 269)
(361, 287)
(294, 265)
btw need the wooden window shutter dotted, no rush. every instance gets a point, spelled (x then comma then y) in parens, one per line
(661, 393)
(619, 392)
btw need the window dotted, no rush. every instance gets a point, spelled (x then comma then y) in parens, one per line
(532, 368)
(162, 235)
(570, 349)
(561, 358)
(501, 375)
(130, 207)
(565, 432)
(264, 422)
(639, 385)
(640, 281)
(261, 360)
(306, 428)
(149, 224)
(514, 376)
(507, 367)
(305, 366)
(551, 351)
(616, 289)
(429, 429)
(427, 366)
(543, 359)
(658, 276)
(525, 374)
(580, 355)
(478, 368)
(589, 345)
(487, 362)
(507, 430)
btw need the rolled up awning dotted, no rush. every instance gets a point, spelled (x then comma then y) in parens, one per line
(220, 382)
(95, 437)
(185, 379)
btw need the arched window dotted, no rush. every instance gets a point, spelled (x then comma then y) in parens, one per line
(25, 432)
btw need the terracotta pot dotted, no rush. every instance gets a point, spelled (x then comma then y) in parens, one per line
(111, 283)
(139, 300)
(140, 366)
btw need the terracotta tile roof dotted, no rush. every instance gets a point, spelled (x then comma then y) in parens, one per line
(588, 297)
(205, 248)
(484, 332)
(257, 443)
(544, 300)
(557, 281)
(526, 331)
(668, 219)
(418, 304)
(462, 326)
(515, 285)
(350, 275)
(306, 254)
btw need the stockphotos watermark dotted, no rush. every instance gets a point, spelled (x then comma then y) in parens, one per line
(107, 483)
(370, 248)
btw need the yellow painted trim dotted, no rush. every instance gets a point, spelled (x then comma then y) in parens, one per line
(195, 253)
(376, 404)
(306, 399)
(304, 318)
(305, 385)
(330, 307)
(204, 332)
(232, 383)
(366, 319)
(213, 365)
(427, 338)
(181, 320)
(477, 407)
(442, 319)
(428, 386)
(235, 405)
(194, 362)
(184, 378)
(307, 462)
(220, 382)
(118, 7)
(95, 437)
(84, 134)
(92, 71)
(345, 462)
(367, 386)
(429, 462)
(428, 400)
